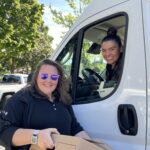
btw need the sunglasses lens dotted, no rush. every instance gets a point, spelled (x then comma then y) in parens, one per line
(44, 76)
(54, 77)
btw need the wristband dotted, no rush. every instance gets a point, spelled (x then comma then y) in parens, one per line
(34, 137)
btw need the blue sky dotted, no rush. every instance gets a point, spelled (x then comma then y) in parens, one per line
(54, 29)
(62, 4)
(53, 2)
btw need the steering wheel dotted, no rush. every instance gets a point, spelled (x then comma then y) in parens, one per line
(91, 76)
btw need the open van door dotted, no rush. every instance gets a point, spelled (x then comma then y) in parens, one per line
(113, 112)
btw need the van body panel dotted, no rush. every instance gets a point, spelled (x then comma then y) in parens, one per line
(146, 27)
(100, 119)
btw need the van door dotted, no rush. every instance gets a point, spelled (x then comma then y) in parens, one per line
(114, 112)
(146, 23)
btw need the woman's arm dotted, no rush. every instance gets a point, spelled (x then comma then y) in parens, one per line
(23, 137)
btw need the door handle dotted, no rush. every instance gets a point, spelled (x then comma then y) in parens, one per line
(127, 119)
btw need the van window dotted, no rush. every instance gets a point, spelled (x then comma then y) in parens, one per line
(84, 63)
(66, 56)
(93, 66)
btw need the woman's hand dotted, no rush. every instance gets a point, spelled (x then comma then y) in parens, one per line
(44, 138)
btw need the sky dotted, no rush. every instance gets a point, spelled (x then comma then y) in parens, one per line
(54, 30)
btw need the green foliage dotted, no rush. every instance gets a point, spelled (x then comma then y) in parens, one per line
(68, 19)
(41, 50)
(87, 58)
(21, 21)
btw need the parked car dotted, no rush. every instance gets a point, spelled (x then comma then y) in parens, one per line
(9, 85)
(15, 78)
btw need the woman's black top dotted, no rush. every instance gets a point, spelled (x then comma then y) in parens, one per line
(115, 73)
(33, 111)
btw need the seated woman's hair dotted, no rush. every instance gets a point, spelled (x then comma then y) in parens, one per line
(112, 35)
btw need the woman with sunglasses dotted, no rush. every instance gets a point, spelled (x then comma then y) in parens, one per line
(38, 110)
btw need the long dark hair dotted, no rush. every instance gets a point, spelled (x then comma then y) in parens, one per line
(62, 90)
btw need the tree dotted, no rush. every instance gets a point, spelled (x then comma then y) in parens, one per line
(42, 49)
(20, 20)
(67, 20)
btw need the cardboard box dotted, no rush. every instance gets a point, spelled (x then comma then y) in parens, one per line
(63, 142)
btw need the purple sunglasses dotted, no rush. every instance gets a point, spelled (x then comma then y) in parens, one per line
(53, 77)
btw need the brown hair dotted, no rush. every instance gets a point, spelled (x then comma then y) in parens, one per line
(62, 90)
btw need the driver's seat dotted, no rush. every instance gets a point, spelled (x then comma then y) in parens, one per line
(87, 88)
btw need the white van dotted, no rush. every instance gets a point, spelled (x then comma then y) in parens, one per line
(118, 114)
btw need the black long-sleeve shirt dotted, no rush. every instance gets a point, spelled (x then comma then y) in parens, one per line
(25, 110)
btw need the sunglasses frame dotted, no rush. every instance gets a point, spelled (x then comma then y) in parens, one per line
(53, 77)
